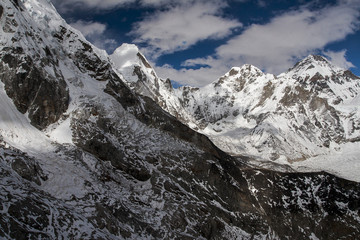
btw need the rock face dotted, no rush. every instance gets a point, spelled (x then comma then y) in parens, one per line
(30, 77)
(304, 203)
(33, 91)
(105, 162)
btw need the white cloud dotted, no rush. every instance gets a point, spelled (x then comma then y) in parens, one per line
(338, 59)
(156, 3)
(207, 61)
(72, 5)
(192, 77)
(275, 45)
(103, 43)
(177, 28)
(89, 29)
(94, 32)
(261, 3)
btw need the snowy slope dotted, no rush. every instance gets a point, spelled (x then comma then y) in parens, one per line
(16, 129)
(139, 76)
(310, 111)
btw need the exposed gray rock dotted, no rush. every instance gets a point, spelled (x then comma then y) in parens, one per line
(29, 213)
(310, 205)
(32, 90)
(25, 166)
(1, 11)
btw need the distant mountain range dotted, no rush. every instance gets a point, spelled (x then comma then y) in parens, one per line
(98, 147)
(311, 112)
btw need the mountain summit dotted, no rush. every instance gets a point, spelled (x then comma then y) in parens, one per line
(86, 151)
(311, 66)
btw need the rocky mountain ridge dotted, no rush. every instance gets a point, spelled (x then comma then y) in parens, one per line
(84, 156)
(310, 111)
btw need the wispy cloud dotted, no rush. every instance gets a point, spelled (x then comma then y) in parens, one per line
(164, 3)
(294, 34)
(90, 28)
(65, 6)
(73, 5)
(339, 59)
(192, 77)
(94, 32)
(180, 27)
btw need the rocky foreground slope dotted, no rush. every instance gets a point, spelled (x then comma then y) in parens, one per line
(83, 156)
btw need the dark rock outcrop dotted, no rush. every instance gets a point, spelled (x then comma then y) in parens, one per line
(31, 80)
(25, 166)
(33, 91)
(1, 11)
(307, 204)
(150, 113)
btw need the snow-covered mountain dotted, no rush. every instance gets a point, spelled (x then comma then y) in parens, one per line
(85, 152)
(311, 110)
(308, 117)
(139, 76)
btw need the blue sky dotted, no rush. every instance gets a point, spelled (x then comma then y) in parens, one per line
(194, 42)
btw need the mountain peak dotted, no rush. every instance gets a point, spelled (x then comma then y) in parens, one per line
(128, 55)
(126, 47)
(316, 58)
(247, 70)
(125, 55)
(237, 77)
(313, 61)
(312, 65)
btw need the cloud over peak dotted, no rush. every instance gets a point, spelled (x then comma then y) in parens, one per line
(94, 32)
(90, 28)
(72, 5)
(182, 26)
(276, 45)
(293, 34)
